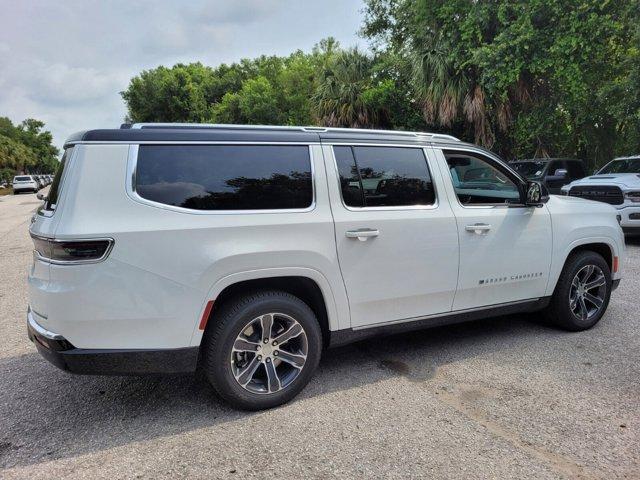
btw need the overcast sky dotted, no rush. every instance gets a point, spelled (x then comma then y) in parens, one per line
(65, 62)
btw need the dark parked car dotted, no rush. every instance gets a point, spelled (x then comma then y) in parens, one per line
(553, 172)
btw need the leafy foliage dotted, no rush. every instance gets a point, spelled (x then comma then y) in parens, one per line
(25, 148)
(543, 77)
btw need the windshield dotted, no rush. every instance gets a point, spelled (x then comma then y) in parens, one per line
(529, 169)
(624, 165)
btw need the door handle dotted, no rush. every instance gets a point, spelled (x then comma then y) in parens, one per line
(478, 228)
(362, 234)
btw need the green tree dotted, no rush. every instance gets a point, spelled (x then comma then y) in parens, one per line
(26, 147)
(346, 92)
(178, 94)
(546, 77)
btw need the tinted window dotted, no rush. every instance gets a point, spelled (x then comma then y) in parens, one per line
(22, 179)
(384, 176)
(477, 180)
(575, 169)
(555, 165)
(529, 169)
(225, 177)
(54, 191)
(349, 177)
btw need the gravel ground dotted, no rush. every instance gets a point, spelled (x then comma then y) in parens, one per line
(504, 398)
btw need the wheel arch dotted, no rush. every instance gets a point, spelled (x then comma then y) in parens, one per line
(601, 245)
(307, 284)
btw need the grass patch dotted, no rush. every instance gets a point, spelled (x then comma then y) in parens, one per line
(6, 191)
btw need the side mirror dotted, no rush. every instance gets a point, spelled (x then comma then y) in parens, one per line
(40, 196)
(537, 194)
(561, 173)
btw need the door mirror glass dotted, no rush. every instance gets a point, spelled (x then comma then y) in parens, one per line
(536, 194)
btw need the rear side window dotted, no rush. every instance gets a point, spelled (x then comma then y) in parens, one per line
(54, 191)
(225, 177)
(384, 176)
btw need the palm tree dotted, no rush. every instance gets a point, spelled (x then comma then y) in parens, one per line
(451, 93)
(339, 100)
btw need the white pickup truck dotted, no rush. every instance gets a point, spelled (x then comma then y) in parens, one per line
(245, 251)
(618, 184)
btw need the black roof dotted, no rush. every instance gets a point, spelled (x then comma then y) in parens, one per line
(239, 133)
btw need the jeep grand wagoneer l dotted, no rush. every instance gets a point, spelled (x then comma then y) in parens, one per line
(245, 251)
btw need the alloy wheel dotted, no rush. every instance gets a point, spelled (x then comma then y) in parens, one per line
(269, 353)
(588, 292)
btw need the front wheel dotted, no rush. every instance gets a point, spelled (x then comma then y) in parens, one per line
(262, 349)
(582, 293)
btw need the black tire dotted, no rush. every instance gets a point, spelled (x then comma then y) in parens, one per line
(560, 311)
(232, 319)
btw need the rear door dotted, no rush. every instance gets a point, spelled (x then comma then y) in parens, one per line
(395, 233)
(505, 246)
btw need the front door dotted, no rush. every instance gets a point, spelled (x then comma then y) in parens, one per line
(396, 235)
(505, 246)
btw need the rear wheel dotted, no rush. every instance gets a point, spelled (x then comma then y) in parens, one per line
(582, 294)
(262, 349)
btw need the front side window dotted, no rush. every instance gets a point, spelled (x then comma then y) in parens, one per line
(554, 166)
(478, 180)
(384, 176)
(576, 170)
(226, 177)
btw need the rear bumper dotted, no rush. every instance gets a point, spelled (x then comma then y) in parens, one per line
(61, 353)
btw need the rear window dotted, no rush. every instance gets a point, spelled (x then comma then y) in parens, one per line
(54, 191)
(22, 179)
(225, 177)
(384, 176)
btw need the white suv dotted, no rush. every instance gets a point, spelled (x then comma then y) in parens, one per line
(245, 251)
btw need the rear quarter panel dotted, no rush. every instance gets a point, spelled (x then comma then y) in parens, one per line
(165, 265)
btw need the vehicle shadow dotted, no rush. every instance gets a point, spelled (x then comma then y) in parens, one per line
(47, 414)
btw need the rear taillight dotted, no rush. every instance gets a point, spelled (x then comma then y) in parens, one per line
(72, 251)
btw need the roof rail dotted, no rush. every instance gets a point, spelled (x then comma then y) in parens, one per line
(437, 136)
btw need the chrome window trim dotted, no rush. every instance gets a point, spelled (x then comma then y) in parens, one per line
(495, 158)
(433, 206)
(73, 262)
(130, 182)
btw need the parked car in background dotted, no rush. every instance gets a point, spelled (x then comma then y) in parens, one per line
(618, 184)
(25, 183)
(554, 173)
(245, 251)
